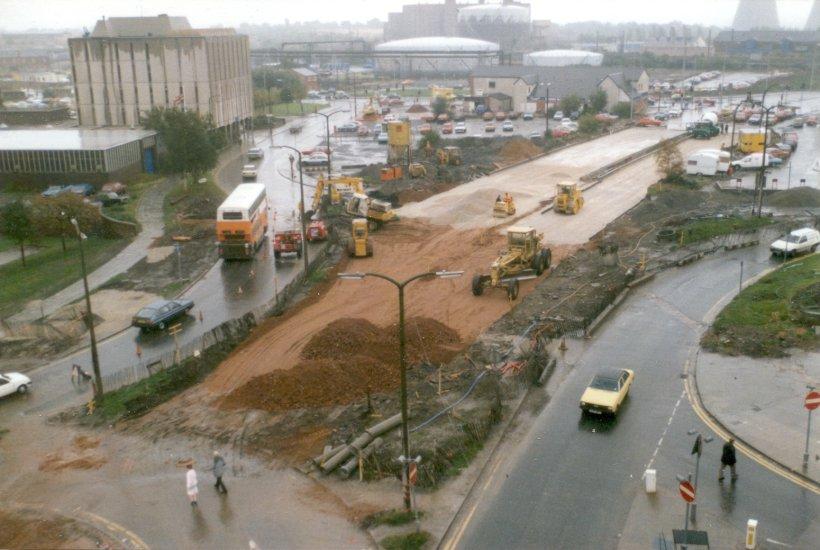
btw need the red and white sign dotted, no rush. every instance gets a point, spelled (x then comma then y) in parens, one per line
(413, 475)
(687, 492)
(812, 400)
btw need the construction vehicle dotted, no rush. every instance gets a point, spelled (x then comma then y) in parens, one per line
(316, 231)
(390, 173)
(704, 130)
(504, 206)
(338, 190)
(377, 212)
(287, 242)
(359, 244)
(417, 170)
(525, 258)
(449, 156)
(568, 198)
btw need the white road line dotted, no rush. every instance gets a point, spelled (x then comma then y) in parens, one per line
(663, 435)
(778, 543)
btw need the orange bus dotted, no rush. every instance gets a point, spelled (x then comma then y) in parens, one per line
(242, 221)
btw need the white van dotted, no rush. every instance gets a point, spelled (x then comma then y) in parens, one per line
(723, 158)
(796, 242)
(702, 164)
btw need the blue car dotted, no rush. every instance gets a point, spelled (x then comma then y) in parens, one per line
(54, 191)
(82, 189)
(159, 314)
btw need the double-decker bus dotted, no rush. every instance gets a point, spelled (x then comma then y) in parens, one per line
(242, 221)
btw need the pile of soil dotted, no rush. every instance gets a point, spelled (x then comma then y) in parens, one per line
(74, 458)
(417, 108)
(799, 196)
(344, 362)
(517, 150)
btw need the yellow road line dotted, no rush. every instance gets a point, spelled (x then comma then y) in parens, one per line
(116, 528)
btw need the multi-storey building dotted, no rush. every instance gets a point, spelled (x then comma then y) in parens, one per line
(128, 65)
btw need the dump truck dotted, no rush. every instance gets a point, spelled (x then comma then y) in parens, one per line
(568, 198)
(525, 258)
(359, 245)
(377, 212)
(503, 206)
(337, 190)
(287, 242)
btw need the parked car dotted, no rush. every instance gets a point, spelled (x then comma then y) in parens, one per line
(535, 134)
(661, 116)
(315, 160)
(675, 112)
(607, 391)
(489, 127)
(500, 115)
(383, 137)
(341, 95)
(54, 191)
(348, 127)
(460, 128)
(507, 127)
(811, 120)
(515, 115)
(255, 153)
(159, 314)
(488, 115)
(558, 115)
(753, 161)
(447, 128)
(527, 116)
(109, 198)
(249, 172)
(796, 242)
(755, 119)
(560, 132)
(649, 121)
(442, 118)
(574, 115)
(425, 128)
(13, 382)
(565, 121)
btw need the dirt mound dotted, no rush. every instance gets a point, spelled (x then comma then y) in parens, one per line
(56, 462)
(84, 442)
(799, 196)
(345, 361)
(518, 149)
(417, 108)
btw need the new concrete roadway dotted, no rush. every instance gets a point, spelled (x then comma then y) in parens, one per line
(568, 481)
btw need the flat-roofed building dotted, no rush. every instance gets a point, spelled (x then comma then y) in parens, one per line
(128, 65)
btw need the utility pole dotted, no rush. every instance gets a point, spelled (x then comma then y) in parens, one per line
(697, 450)
(95, 359)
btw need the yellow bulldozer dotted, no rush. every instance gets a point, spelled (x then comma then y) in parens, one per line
(568, 198)
(336, 189)
(450, 155)
(525, 258)
(359, 245)
(504, 206)
(375, 211)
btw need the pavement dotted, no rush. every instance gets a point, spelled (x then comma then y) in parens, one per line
(149, 216)
(563, 480)
(765, 407)
(8, 256)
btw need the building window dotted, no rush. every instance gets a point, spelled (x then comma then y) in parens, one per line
(491, 84)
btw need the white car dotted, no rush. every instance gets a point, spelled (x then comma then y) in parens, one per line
(383, 137)
(753, 161)
(13, 382)
(558, 115)
(460, 128)
(796, 242)
(255, 153)
(507, 127)
(249, 172)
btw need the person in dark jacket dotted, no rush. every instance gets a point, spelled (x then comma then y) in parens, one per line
(219, 471)
(728, 458)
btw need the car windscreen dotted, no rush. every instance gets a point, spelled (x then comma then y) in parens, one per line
(601, 383)
(792, 238)
(147, 312)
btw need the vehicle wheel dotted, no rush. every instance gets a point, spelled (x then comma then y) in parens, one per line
(372, 225)
(277, 254)
(546, 259)
(351, 249)
(537, 264)
(369, 249)
(512, 290)
(22, 389)
(814, 248)
(478, 285)
(161, 326)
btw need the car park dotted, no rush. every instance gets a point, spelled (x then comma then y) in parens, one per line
(460, 128)
(255, 153)
(798, 241)
(159, 314)
(507, 127)
(249, 172)
(13, 382)
(607, 391)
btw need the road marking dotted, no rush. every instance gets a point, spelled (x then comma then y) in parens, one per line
(116, 528)
(763, 460)
(778, 543)
(666, 429)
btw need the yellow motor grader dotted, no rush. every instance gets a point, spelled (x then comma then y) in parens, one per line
(525, 258)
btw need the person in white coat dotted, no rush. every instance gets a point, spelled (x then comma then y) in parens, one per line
(191, 484)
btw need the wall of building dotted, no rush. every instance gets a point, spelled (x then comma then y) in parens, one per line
(517, 88)
(614, 94)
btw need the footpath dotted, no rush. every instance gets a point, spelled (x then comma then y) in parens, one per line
(761, 402)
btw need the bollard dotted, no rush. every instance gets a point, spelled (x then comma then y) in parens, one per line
(650, 479)
(751, 534)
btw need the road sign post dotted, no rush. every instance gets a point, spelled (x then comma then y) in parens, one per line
(811, 402)
(687, 493)
(697, 449)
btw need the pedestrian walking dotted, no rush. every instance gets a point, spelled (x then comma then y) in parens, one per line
(219, 471)
(191, 485)
(75, 373)
(728, 458)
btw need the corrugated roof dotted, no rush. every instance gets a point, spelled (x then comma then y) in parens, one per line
(438, 44)
(73, 139)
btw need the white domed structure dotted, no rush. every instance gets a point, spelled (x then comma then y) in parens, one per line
(441, 55)
(563, 58)
(507, 24)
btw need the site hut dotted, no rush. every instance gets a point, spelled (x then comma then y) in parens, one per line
(44, 157)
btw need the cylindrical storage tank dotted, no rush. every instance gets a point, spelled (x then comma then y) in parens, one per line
(434, 55)
(563, 58)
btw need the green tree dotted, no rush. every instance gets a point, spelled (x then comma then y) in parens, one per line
(622, 109)
(16, 224)
(430, 140)
(50, 216)
(440, 106)
(192, 145)
(597, 101)
(669, 161)
(569, 104)
(285, 83)
(588, 125)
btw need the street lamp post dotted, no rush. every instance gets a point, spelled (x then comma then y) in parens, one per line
(546, 109)
(405, 433)
(697, 450)
(761, 179)
(327, 136)
(95, 359)
(301, 203)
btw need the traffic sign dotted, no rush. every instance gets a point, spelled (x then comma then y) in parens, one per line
(414, 473)
(687, 492)
(812, 400)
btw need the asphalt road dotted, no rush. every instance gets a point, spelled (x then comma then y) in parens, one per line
(573, 481)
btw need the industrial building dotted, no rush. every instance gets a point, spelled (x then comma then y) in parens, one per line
(563, 58)
(524, 85)
(68, 155)
(128, 65)
(764, 42)
(434, 55)
(756, 14)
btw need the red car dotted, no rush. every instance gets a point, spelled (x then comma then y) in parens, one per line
(287, 242)
(649, 121)
(560, 132)
(317, 231)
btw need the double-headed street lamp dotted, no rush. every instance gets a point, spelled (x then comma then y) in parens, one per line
(95, 359)
(327, 135)
(301, 203)
(405, 434)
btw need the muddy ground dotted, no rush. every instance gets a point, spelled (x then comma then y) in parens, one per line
(32, 529)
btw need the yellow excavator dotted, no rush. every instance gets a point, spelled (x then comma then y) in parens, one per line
(568, 198)
(504, 206)
(450, 155)
(525, 258)
(338, 189)
(417, 170)
(375, 211)
(359, 245)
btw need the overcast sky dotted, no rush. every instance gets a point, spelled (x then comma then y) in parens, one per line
(19, 15)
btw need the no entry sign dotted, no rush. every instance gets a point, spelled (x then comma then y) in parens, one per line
(687, 492)
(812, 400)
(414, 473)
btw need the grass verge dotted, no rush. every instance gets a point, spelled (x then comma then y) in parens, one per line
(136, 187)
(389, 517)
(191, 201)
(407, 541)
(51, 270)
(702, 230)
(766, 319)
